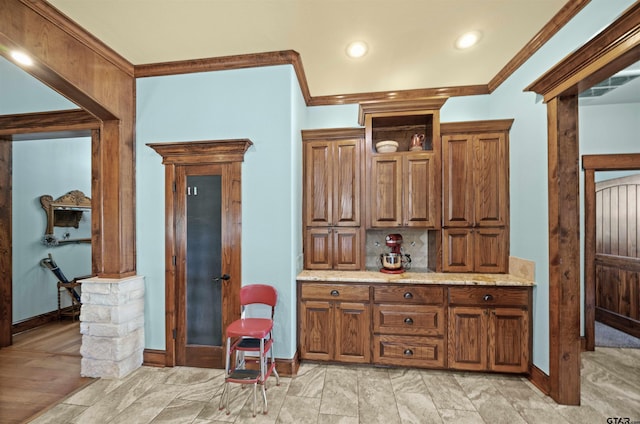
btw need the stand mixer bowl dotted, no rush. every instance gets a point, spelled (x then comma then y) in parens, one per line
(391, 260)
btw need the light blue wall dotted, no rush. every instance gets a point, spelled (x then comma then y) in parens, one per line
(40, 167)
(22, 93)
(252, 103)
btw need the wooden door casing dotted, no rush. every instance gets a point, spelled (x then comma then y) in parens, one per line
(228, 154)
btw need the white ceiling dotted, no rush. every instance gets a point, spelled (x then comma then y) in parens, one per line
(411, 41)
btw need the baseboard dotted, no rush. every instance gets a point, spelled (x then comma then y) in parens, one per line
(539, 379)
(37, 321)
(285, 367)
(154, 358)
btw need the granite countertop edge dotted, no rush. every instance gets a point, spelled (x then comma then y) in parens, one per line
(462, 279)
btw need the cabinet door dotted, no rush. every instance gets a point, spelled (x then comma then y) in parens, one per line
(318, 187)
(353, 339)
(490, 179)
(318, 248)
(467, 341)
(420, 200)
(457, 165)
(509, 340)
(346, 249)
(490, 250)
(317, 330)
(346, 183)
(457, 250)
(386, 191)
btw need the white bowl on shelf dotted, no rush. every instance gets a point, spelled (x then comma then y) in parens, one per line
(386, 146)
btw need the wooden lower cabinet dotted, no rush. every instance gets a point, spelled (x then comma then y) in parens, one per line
(409, 325)
(490, 331)
(474, 328)
(335, 322)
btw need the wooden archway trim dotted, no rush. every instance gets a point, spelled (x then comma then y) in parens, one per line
(615, 48)
(591, 164)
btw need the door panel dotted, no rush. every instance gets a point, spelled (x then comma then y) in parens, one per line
(205, 304)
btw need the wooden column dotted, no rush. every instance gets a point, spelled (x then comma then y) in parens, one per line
(6, 310)
(564, 250)
(589, 259)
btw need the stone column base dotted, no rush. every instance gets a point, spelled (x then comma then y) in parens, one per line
(112, 326)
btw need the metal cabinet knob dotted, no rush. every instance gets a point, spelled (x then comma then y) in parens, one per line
(408, 352)
(487, 298)
(335, 293)
(408, 321)
(408, 295)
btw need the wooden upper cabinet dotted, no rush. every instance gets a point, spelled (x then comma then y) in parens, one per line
(476, 179)
(332, 182)
(403, 187)
(333, 169)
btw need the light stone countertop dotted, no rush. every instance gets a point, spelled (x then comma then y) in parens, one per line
(462, 279)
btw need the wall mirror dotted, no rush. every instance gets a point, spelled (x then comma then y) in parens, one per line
(68, 218)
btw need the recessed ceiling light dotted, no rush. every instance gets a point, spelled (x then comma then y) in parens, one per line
(22, 58)
(468, 39)
(357, 49)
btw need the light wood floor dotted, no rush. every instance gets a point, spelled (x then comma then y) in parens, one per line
(41, 368)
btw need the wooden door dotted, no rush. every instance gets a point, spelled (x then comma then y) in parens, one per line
(346, 182)
(457, 250)
(353, 340)
(420, 200)
(317, 330)
(318, 248)
(490, 250)
(205, 303)
(490, 179)
(346, 249)
(386, 191)
(457, 180)
(467, 341)
(318, 186)
(509, 340)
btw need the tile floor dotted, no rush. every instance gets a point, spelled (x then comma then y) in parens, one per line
(330, 394)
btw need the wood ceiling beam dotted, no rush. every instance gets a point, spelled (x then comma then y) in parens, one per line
(47, 122)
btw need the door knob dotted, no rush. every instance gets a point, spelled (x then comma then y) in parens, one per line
(222, 277)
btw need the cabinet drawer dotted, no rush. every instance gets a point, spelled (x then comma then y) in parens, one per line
(423, 295)
(409, 320)
(490, 296)
(334, 292)
(409, 351)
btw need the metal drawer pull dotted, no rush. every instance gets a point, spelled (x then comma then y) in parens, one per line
(408, 295)
(487, 298)
(335, 293)
(408, 321)
(408, 352)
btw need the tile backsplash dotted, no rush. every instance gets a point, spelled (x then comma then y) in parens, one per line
(414, 242)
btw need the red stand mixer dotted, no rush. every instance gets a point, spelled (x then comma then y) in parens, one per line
(394, 262)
